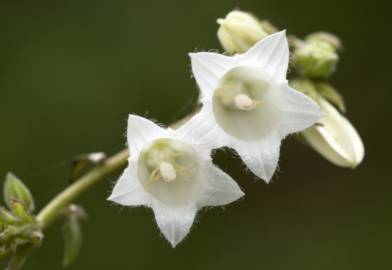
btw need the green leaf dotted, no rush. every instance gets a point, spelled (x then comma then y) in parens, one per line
(14, 189)
(72, 239)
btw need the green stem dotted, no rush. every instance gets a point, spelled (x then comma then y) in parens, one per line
(52, 210)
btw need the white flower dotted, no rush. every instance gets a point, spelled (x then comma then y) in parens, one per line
(248, 104)
(169, 172)
(335, 138)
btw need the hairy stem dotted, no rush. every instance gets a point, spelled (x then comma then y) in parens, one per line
(52, 210)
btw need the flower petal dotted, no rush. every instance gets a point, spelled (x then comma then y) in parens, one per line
(261, 157)
(174, 222)
(221, 189)
(208, 68)
(336, 139)
(141, 131)
(299, 111)
(271, 53)
(128, 190)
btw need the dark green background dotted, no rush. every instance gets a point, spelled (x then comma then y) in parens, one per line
(71, 72)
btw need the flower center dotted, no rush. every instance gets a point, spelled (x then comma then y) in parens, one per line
(169, 170)
(244, 103)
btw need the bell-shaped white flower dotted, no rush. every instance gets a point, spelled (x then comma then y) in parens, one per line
(248, 104)
(335, 138)
(174, 175)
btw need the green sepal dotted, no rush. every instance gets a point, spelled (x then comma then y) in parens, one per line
(332, 95)
(7, 217)
(306, 87)
(15, 189)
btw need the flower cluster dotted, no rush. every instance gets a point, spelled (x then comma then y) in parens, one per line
(248, 105)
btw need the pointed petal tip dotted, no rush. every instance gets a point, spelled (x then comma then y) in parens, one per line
(111, 198)
(281, 34)
(173, 243)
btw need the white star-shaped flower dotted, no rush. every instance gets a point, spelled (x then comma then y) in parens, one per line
(174, 175)
(248, 104)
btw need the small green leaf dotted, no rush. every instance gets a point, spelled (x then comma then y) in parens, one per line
(72, 235)
(332, 95)
(14, 189)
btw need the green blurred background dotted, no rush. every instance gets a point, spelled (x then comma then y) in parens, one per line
(71, 72)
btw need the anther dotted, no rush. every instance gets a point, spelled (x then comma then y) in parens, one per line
(167, 171)
(244, 102)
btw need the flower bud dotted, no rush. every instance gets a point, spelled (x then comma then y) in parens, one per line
(315, 59)
(14, 189)
(326, 37)
(19, 210)
(239, 31)
(335, 138)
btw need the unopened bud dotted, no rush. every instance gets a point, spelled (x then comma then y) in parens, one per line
(335, 138)
(239, 31)
(20, 211)
(14, 189)
(315, 59)
(325, 37)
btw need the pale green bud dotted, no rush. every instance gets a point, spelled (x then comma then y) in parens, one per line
(19, 210)
(315, 59)
(326, 37)
(14, 189)
(240, 30)
(335, 138)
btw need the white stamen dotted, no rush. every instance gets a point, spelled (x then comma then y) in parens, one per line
(244, 102)
(167, 171)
